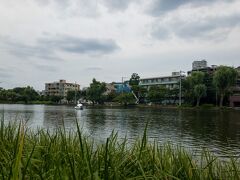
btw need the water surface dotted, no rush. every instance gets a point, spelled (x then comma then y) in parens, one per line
(219, 131)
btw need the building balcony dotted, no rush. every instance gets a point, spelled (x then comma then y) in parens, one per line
(158, 83)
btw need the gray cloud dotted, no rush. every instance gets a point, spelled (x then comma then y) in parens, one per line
(114, 5)
(94, 69)
(160, 32)
(46, 47)
(215, 28)
(70, 8)
(82, 5)
(79, 45)
(4, 73)
(26, 51)
(159, 7)
(45, 68)
(60, 3)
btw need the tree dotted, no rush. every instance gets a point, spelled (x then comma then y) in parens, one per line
(134, 83)
(55, 99)
(134, 80)
(18, 94)
(224, 78)
(210, 97)
(71, 95)
(95, 92)
(111, 96)
(194, 87)
(199, 91)
(29, 94)
(157, 94)
(125, 99)
(173, 94)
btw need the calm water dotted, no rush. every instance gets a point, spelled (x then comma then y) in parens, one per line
(219, 131)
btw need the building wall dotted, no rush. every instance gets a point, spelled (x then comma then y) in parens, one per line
(167, 81)
(122, 87)
(199, 64)
(60, 88)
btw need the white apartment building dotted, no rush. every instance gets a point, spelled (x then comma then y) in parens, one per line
(60, 88)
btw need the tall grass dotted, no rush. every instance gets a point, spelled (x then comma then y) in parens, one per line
(70, 155)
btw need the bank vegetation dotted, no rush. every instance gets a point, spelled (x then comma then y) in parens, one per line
(61, 154)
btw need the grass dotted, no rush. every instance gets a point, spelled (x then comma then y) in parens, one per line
(25, 154)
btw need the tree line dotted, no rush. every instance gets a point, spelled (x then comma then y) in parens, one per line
(210, 88)
(26, 95)
(197, 88)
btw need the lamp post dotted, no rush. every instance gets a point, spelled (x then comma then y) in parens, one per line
(180, 87)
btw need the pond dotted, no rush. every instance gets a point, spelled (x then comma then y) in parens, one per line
(216, 130)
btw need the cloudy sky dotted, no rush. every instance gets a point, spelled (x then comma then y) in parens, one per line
(77, 40)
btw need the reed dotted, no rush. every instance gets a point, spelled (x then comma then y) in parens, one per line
(62, 154)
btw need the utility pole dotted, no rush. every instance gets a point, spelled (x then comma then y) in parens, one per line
(75, 93)
(122, 85)
(180, 88)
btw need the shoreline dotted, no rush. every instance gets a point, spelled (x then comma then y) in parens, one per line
(114, 105)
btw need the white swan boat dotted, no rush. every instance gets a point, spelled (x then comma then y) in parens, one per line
(79, 106)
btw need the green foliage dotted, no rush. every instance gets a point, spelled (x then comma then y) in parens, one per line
(199, 91)
(173, 94)
(134, 80)
(194, 87)
(196, 78)
(157, 94)
(111, 96)
(95, 92)
(25, 94)
(210, 97)
(224, 78)
(55, 99)
(71, 155)
(134, 83)
(125, 99)
(71, 95)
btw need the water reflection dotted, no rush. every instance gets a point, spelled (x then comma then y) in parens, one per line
(219, 131)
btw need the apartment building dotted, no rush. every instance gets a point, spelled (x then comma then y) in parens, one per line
(199, 64)
(202, 67)
(167, 81)
(60, 88)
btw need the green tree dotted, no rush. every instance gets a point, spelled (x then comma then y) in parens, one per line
(210, 97)
(29, 94)
(199, 91)
(125, 99)
(55, 99)
(111, 96)
(224, 78)
(134, 83)
(173, 94)
(157, 94)
(72, 94)
(194, 87)
(17, 94)
(95, 92)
